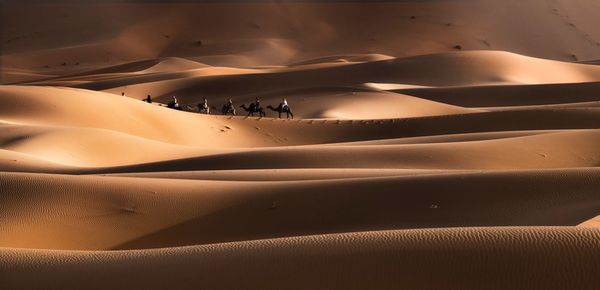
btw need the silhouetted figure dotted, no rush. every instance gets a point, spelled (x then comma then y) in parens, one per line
(228, 108)
(148, 99)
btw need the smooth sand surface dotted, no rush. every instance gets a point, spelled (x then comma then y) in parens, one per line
(409, 163)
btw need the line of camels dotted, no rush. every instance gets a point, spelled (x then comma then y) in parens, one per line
(229, 109)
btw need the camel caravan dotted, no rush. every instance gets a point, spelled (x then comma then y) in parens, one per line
(228, 108)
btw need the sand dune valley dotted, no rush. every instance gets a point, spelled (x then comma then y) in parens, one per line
(434, 145)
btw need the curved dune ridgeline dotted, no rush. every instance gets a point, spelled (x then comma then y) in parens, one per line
(433, 145)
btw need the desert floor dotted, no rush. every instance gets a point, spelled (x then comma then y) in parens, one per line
(440, 167)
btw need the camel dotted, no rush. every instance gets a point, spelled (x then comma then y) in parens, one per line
(228, 109)
(174, 105)
(204, 108)
(282, 109)
(198, 109)
(253, 109)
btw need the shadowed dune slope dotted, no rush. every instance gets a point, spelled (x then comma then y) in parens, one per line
(517, 258)
(514, 95)
(295, 174)
(552, 150)
(94, 213)
(448, 69)
(41, 36)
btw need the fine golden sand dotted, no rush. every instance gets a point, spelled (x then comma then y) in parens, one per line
(409, 163)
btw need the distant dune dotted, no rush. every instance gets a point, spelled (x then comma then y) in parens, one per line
(239, 35)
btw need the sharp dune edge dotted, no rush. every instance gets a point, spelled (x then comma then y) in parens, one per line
(445, 151)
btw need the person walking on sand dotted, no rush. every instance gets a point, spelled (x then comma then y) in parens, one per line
(148, 99)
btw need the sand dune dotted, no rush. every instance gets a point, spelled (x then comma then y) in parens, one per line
(591, 223)
(293, 31)
(130, 213)
(344, 59)
(512, 95)
(97, 149)
(50, 106)
(295, 174)
(138, 134)
(11, 161)
(526, 153)
(451, 138)
(449, 69)
(434, 145)
(496, 258)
